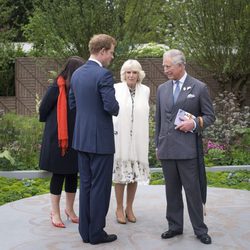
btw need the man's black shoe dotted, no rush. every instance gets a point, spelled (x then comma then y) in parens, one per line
(107, 238)
(205, 238)
(170, 234)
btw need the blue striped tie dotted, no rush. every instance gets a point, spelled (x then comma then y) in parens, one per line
(176, 91)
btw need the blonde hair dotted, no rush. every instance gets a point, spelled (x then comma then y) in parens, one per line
(132, 65)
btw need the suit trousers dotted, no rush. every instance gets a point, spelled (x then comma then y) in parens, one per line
(95, 190)
(178, 174)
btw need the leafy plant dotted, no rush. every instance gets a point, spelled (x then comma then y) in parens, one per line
(229, 136)
(6, 160)
(230, 119)
(157, 178)
(21, 137)
(226, 179)
(236, 179)
(8, 54)
(240, 157)
(13, 189)
(216, 157)
(153, 162)
(148, 50)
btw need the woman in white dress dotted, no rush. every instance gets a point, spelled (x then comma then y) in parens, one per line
(131, 128)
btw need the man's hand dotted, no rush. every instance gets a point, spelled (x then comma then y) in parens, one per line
(186, 125)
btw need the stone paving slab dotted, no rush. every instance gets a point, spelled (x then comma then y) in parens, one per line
(25, 224)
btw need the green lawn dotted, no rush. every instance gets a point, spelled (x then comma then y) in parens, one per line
(225, 179)
(14, 189)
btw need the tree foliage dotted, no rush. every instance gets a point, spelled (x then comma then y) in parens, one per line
(65, 26)
(13, 15)
(216, 34)
(8, 54)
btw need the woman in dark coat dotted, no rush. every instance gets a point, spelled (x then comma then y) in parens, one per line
(57, 156)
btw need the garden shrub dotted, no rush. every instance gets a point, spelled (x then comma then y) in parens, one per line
(21, 136)
(8, 55)
(226, 179)
(230, 120)
(12, 189)
(234, 179)
(240, 157)
(153, 162)
(148, 50)
(228, 139)
(7, 161)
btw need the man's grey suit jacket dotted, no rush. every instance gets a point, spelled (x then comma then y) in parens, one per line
(193, 98)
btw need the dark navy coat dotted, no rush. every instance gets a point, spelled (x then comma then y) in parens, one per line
(93, 93)
(50, 157)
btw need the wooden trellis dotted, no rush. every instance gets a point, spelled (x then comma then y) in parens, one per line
(32, 74)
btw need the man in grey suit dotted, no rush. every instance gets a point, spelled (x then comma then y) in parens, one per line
(176, 145)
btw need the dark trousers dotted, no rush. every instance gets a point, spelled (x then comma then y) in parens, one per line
(56, 183)
(95, 190)
(184, 173)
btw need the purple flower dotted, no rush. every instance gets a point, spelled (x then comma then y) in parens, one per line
(212, 145)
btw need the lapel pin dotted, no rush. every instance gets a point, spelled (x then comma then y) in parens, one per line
(184, 88)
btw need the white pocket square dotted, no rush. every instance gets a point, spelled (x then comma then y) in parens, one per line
(190, 96)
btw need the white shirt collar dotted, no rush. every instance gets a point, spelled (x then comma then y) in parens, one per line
(182, 80)
(94, 60)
